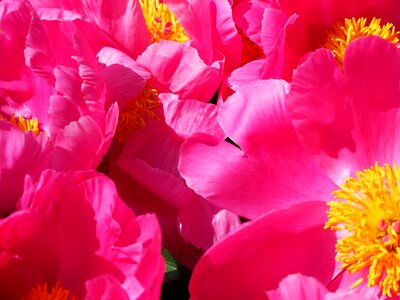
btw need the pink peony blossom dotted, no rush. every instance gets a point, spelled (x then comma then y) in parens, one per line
(262, 255)
(288, 31)
(331, 137)
(73, 234)
(147, 164)
(137, 77)
(52, 100)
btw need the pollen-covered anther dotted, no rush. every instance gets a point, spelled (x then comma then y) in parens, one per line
(134, 116)
(367, 210)
(24, 124)
(344, 33)
(42, 292)
(162, 22)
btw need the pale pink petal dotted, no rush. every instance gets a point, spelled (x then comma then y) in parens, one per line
(20, 154)
(114, 18)
(300, 287)
(124, 78)
(177, 68)
(248, 73)
(251, 185)
(187, 117)
(248, 16)
(273, 25)
(105, 287)
(260, 254)
(224, 34)
(71, 147)
(254, 112)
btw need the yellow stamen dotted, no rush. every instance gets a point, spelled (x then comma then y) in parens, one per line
(343, 34)
(368, 211)
(134, 115)
(161, 22)
(42, 292)
(24, 124)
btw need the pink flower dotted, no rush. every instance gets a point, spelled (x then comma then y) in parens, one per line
(287, 31)
(52, 100)
(262, 255)
(150, 21)
(74, 235)
(147, 165)
(331, 137)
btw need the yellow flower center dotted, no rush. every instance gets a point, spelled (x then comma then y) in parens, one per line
(24, 124)
(368, 211)
(42, 292)
(344, 33)
(161, 22)
(134, 115)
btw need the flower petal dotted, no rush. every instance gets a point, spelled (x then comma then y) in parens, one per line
(260, 254)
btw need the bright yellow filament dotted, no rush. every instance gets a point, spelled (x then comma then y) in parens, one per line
(368, 211)
(24, 124)
(161, 22)
(42, 292)
(134, 115)
(343, 34)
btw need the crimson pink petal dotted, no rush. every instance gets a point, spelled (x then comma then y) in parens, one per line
(204, 224)
(372, 67)
(217, 34)
(177, 68)
(260, 254)
(375, 84)
(248, 16)
(143, 201)
(20, 154)
(71, 149)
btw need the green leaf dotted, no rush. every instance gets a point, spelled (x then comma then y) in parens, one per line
(173, 269)
(171, 264)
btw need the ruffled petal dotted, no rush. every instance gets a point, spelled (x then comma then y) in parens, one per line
(260, 254)
(177, 68)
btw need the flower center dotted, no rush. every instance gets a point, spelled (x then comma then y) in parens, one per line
(250, 50)
(344, 33)
(42, 292)
(161, 22)
(367, 210)
(134, 115)
(24, 124)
